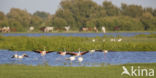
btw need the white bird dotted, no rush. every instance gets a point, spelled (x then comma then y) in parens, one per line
(80, 59)
(72, 58)
(112, 40)
(19, 56)
(119, 40)
(104, 40)
(93, 40)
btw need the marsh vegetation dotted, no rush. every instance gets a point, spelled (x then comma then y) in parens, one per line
(59, 43)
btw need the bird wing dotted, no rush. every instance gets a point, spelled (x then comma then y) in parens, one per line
(99, 50)
(82, 53)
(71, 53)
(37, 51)
(59, 52)
(49, 51)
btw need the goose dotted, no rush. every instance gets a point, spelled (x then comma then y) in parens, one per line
(77, 54)
(43, 53)
(19, 56)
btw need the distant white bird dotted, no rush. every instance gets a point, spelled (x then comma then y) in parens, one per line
(119, 40)
(103, 40)
(103, 29)
(93, 40)
(19, 56)
(31, 28)
(112, 40)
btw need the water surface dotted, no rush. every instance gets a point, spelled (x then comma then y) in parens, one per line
(95, 59)
(77, 34)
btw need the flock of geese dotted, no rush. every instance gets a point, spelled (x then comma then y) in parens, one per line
(72, 57)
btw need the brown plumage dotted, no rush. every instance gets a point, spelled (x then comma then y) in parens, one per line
(42, 52)
(77, 54)
(37, 51)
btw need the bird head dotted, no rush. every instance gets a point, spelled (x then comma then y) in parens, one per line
(25, 55)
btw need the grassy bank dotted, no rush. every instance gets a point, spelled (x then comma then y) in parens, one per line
(58, 43)
(22, 71)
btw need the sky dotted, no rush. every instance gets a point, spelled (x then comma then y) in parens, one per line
(51, 6)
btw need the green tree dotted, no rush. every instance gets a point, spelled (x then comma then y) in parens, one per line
(131, 10)
(3, 20)
(41, 14)
(36, 21)
(111, 10)
(59, 22)
(79, 11)
(21, 16)
(149, 21)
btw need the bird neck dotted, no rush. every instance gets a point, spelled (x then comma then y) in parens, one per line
(44, 49)
(64, 50)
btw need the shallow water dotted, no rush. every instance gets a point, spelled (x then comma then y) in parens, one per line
(77, 34)
(94, 59)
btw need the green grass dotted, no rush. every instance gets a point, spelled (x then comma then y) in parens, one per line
(110, 71)
(58, 43)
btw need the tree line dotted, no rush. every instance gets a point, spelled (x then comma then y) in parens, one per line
(84, 13)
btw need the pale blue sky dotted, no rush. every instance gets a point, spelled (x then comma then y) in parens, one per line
(52, 5)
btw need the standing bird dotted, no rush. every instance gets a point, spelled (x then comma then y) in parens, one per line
(19, 56)
(43, 53)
